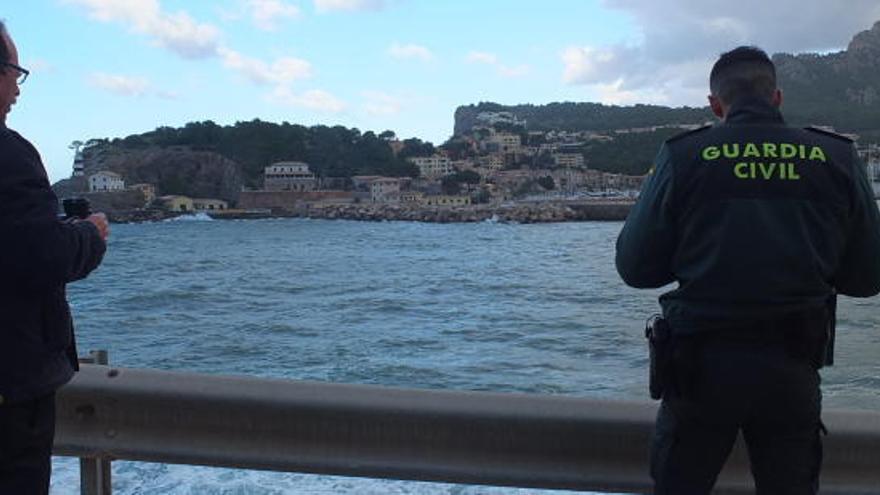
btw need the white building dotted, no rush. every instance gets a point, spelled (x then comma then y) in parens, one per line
(106, 181)
(570, 160)
(289, 176)
(504, 142)
(385, 190)
(492, 118)
(433, 167)
(493, 161)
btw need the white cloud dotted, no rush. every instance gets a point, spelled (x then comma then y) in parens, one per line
(190, 39)
(120, 85)
(585, 65)
(177, 32)
(482, 58)
(282, 71)
(265, 13)
(381, 104)
(167, 95)
(40, 65)
(612, 94)
(681, 39)
(490, 59)
(515, 71)
(410, 51)
(315, 99)
(324, 6)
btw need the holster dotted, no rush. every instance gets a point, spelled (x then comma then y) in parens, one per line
(660, 349)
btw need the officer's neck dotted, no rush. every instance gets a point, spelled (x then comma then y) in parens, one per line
(751, 109)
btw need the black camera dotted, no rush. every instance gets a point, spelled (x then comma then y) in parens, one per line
(77, 208)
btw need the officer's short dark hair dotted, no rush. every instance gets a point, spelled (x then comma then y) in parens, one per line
(744, 72)
(4, 50)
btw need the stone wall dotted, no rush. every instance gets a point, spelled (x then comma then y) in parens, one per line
(519, 213)
(288, 199)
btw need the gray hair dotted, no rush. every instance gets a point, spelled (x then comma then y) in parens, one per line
(4, 49)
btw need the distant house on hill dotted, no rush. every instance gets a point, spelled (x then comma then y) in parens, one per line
(106, 181)
(376, 188)
(289, 176)
(433, 167)
(385, 190)
(569, 160)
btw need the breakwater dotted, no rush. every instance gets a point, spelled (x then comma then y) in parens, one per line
(523, 212)
(535, 212)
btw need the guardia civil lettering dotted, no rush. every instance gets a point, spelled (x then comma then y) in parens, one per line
(766, 159)
(785, 151)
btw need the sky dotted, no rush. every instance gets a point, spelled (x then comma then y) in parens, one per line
(111, 68)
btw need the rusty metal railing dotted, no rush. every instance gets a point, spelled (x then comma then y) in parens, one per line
(110, 413)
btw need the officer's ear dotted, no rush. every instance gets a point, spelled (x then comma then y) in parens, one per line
(777, 98)
(718, 108)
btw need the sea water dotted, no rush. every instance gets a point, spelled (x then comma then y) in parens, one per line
(487, 306)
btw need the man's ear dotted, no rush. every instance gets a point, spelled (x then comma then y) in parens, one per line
(716, 106)
(777, 98)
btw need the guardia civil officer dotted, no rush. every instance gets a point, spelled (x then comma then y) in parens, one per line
(38, 255)
(759, 224)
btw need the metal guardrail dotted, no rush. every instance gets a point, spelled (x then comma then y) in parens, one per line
(355, 430)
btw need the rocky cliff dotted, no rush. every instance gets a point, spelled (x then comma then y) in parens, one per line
(173, 170)
(840, 89)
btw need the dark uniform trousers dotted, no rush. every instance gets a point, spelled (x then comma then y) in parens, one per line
(731, 382)
(26, 433)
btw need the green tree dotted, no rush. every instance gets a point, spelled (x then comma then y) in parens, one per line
(451, 184)
(547, 183)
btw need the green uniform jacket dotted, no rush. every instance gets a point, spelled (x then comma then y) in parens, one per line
(753, 219)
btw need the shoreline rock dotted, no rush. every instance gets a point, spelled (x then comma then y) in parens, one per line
(543, 212)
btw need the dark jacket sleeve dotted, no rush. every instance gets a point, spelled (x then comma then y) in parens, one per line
(647, 242)
(37, 250)
(44, 254)
(858, 274)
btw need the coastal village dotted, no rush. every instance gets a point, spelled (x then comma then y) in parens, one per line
(534, 176)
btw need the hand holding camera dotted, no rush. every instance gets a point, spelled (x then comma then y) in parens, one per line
(79, 209)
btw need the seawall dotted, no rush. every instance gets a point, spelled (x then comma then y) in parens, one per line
(540, 212)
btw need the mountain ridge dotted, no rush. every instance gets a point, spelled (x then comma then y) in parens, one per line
(840, 89)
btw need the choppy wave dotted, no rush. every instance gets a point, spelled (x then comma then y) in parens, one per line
(194, 217)
(484, 306)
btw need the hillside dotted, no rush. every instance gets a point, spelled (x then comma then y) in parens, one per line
(568, 116)
(839, 89)
(203, 159)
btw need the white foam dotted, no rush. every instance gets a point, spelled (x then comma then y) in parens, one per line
(139, 478)
(195, 217)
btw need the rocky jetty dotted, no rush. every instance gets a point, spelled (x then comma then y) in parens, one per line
(543, 212)
(518, 213)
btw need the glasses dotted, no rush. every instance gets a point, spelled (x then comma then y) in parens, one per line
(22, 72)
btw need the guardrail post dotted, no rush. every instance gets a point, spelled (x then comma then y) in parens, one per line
(94, 472)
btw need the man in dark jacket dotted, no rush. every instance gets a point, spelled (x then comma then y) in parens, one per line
(760, 224)
(38, 255)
